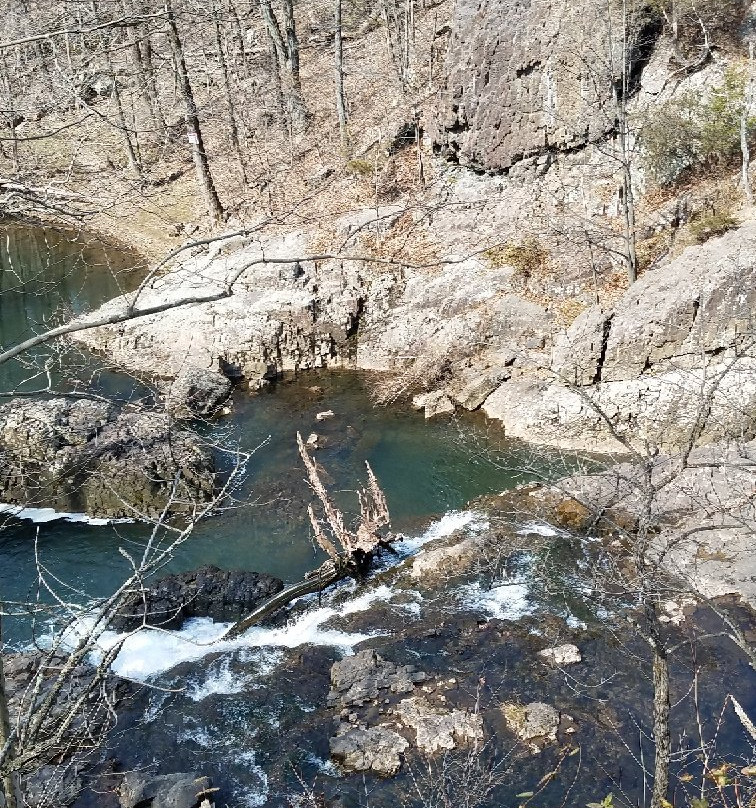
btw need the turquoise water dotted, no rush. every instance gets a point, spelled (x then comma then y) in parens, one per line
(426, 468)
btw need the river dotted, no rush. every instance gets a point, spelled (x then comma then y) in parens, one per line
(252, 713)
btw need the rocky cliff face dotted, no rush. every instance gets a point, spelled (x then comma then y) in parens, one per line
(526, 80)
(673, 361)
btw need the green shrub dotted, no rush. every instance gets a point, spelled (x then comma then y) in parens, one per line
(711, 224)
(686, 134)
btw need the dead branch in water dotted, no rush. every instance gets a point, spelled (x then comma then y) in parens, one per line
(348, 550)
(374, 516)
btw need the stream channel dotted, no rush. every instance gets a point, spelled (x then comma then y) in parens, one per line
(252, 713)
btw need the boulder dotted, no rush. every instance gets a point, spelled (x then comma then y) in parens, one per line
(561, 655)
(358, 679)
(207, 592)
(181, 790)
(438, 729)
(196, 393)
(362, 749)
(536, 723)
(434, 403)
(82, 455)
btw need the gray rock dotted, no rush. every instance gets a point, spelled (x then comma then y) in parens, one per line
(567, 654)
(680, 335)
(375, 749)
(358, 679)
(523, 81)
(196, 392)
(434, 403)
(206, 592)
(535, 723)
(438, 729)
(79, 455)
(183, 790)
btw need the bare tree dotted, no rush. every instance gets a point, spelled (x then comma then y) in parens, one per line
(191, 118)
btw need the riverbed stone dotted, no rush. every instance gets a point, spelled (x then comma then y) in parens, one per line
(567, 654)
(223, 595)
(360, 749)
(434, 403)
(536, 723)
(360, 679)
(438, 729)
(180, 790)
(197, 393)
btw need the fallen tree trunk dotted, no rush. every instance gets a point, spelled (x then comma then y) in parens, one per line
(349, 551)
(315, 581)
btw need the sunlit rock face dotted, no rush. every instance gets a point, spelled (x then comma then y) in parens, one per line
(529, 79)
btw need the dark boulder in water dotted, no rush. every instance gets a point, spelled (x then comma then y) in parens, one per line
(208, 591)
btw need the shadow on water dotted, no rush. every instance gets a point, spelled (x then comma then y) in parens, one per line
(48, 276)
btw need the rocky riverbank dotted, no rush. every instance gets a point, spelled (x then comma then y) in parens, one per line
(484, 675)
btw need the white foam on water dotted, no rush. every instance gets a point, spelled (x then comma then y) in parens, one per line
(150, 652)
(450, 522)
(43, 515)
(327, 767)
(539, 529)
(258, 797)
(507, 601)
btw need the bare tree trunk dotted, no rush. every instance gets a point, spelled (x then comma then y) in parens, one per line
(11, 112)
(131, 153)
(140, 72)
(9, 786)
(233, 129)
(661, 728)
(145, 47)
(744, 149)
(191, 116)
(338, 67)
(297, 108)
(628, 199)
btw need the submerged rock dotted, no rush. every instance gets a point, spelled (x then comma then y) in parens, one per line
(207, 592)
(82, 455)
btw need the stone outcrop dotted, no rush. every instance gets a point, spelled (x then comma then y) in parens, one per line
(374, 738)
(560, 655)
(703, 509)
(63, 765)
(375, 749)
(207, 592)
(525, 80)
(82, 455)
(282, 315)
(677, 344)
